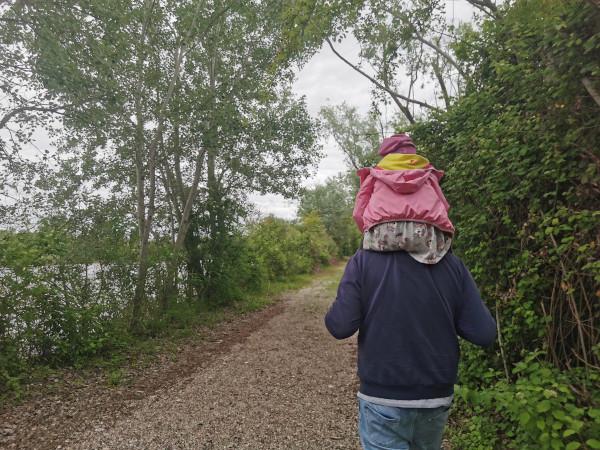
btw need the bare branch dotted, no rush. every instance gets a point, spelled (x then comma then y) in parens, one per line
(446, 55)
(432, 45)
(440, 78)
(168, 183)
(343, 148)
(588, 85)
(484, 4)
(185, 219)
(16, 111)
(492, 9)
(394, 94)
(402, 107)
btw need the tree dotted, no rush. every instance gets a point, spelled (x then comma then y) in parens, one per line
(172, 105)
(254, 133)
(358, 137)
(333, 202)
(408, 46)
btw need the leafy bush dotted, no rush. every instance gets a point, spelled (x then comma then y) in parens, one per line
(521, 150)
(538, 410)
(333, 202)
(286, 248)
(54, 311)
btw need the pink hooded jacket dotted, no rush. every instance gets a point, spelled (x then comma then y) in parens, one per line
(399, 195)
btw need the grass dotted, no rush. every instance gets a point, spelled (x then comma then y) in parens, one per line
(115, 378)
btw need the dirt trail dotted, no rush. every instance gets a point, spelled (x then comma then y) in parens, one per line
(271, 380)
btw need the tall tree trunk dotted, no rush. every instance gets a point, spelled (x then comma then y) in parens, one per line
(146, 215)
(211, 152)
(440, 77)
(138, 296)
(171, 288)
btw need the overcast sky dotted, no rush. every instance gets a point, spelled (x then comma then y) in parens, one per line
(324, 80)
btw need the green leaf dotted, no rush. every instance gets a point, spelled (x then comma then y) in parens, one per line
(559, 414)
(572, 446)
(543, 406)
(593, 443)
(524, 418)
(594, 413)
(577, 425)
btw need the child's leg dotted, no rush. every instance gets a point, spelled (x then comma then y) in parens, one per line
(425, 243)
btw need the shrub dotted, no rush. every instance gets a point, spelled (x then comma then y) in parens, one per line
(538, 410)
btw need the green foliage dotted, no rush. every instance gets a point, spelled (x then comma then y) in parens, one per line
(317, 241)
(284, 248)
(307, 22)
(538, 410)
(55, 310)
(114, 378)
(333, 202)
(520, 151)
(357, 136)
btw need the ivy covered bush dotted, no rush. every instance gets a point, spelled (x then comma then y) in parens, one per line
(522, 152)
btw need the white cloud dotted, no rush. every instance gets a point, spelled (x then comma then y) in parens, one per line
(326, 79)
(274, 204)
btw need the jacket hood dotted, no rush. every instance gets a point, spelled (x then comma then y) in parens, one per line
(402, 181)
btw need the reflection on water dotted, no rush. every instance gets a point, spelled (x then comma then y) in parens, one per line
(45, 305)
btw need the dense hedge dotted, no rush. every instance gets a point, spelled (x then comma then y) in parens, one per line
(522, 151)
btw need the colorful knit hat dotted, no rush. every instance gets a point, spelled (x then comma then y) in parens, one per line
(398, 143)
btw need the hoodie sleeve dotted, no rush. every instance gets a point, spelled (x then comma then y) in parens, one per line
(345, 315)
(475, 322)
(362, 199)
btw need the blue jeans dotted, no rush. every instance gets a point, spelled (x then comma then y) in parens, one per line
(386, 427)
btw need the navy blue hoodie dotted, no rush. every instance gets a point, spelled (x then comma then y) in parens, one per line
(410, 316)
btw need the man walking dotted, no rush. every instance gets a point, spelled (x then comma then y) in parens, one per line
(409, 316)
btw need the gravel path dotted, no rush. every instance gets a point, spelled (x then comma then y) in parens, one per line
(288, 385)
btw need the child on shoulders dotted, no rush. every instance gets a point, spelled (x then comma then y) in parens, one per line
(400, 205)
